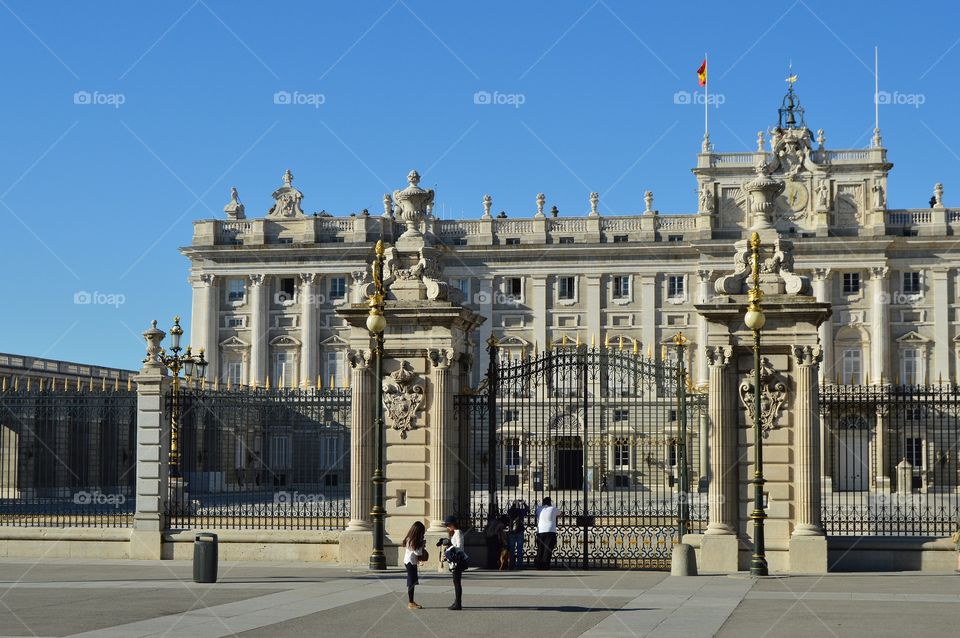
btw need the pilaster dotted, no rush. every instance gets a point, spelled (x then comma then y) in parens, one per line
(880, 323)
(308, 328)
(258, 330)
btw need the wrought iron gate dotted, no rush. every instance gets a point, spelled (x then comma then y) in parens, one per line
(610, 435)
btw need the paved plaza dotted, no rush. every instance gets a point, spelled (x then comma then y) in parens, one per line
(126, 599)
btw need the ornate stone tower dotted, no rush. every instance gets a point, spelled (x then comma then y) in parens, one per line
(426, 362)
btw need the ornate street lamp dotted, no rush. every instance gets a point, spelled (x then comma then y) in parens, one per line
(175, 362)
(754, 320)
(683, 513)
(376, 324)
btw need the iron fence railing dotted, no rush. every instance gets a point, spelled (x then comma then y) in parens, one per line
(261, 459)
(891, 463)
(67, 454)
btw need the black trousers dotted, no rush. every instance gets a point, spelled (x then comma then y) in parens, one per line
(546, 541)
(457, 586)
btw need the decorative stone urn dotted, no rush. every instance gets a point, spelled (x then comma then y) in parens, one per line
(413, 202)
(763, 190)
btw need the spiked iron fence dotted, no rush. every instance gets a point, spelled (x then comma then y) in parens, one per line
(891, 460)
(67, 454)
(261, 459)
(598, 430)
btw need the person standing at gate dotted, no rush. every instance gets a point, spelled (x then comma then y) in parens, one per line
(546, 533)
(518, 516)
(456, 558)
(415, 552)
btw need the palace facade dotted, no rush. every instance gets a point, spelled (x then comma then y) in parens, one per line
(266, 288)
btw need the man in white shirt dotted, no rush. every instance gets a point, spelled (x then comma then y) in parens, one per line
(546, 533)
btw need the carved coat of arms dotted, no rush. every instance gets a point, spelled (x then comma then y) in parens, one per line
(402, 398)
(772, 395)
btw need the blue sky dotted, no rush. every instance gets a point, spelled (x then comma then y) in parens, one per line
(176, 105)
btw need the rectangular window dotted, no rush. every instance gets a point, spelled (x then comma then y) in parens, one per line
(234, 322)
(280, 452)
(621, 480)
(510, 415)
(621, 415)
(621, 287)
(674, 237)
(233, 373)
(566, 287)
(459, 241)
(621, 239)
(675, 286)
(236, 289)
(914, 451)
(910, 366)
(566, 240)
(463, 285)
(851, 373)
(621, 455)
(331, 456)
(334, 369)
(285, 374)
(851, 283)
(911, 283)
(285, 240)
(338, 287)
(515, 287)
(511, 453)
(513, 241)
(288, 288)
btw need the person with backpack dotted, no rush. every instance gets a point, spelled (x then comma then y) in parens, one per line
(494, 536)
(517, 515)
(456, 558)
(415, 552)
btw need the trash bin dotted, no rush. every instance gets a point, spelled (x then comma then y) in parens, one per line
(205, 558)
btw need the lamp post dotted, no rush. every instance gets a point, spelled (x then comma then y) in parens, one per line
(376, 324)
(683, 513)
(175, 362)
(755, 320)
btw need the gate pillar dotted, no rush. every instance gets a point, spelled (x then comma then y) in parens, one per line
(426, 343)
(790, 356)
(719, 546)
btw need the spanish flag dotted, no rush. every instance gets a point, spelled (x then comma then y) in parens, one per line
(702, 73)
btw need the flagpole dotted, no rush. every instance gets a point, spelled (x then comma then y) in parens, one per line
(706, 96)
(876, 97)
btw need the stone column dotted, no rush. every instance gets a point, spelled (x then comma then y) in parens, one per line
(941, 327)
(723, 472)
(539, 306)
(808, 544)
(593, 306)
(806, 429)
(648, 313)
(308, 328)
(719, 545)
(258, 331)
(153, 451)
(204, 324)
(703, 296)
(880, 322)
(361, 440)
(823, 291)
(484, 308)
(442, 480)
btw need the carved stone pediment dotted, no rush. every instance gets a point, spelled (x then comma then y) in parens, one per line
(403, 397)
(773, 393)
